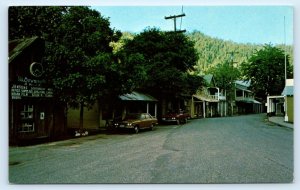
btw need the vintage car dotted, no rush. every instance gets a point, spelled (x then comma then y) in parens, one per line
(173, 117)
(136, 121)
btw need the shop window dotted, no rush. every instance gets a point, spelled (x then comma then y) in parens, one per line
(27, 114)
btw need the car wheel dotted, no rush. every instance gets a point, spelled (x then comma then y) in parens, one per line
(136, 129)
(151, 127)
(185, 120)
(178, 122)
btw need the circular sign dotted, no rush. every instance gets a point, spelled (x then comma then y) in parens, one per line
(36, 69)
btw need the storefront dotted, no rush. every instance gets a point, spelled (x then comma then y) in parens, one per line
(31, 106)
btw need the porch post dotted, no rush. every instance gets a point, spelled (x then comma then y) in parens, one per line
(192, 108)
(147, 107)
(204, 109)
(225, 103)
(155, 110)
(268, 105)
(222, 109)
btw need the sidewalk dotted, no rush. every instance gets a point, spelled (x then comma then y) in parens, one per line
(280, 121)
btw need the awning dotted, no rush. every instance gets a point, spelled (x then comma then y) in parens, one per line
(288, 91)
(243, 88)
(202, 98)
(249, 100)
(137, 96)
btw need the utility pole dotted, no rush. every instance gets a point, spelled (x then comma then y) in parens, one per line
(231, 53)
(174, 17)
(232, 56)
(286, 118)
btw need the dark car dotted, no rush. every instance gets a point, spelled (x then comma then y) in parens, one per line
(173, 117)
(136, 121)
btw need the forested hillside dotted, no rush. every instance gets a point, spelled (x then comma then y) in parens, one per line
(213, 51)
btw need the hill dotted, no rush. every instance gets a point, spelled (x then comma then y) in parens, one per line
(213, 51)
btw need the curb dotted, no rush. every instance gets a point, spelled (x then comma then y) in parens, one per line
(281, 125)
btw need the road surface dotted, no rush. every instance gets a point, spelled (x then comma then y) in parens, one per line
(242, 149)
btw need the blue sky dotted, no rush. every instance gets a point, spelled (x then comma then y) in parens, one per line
(242, 24)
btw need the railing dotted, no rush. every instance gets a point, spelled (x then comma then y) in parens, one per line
(214, 97)
(239, 98)
(205, 94)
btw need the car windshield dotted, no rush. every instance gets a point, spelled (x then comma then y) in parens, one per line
(132, 116)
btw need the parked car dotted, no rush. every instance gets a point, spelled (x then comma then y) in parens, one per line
(173, 117)
(136, 122)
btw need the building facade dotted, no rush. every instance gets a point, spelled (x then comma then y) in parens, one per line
(245, 102)
(33, 114)
(208, 101)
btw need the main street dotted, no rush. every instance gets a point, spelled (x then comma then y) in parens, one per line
(242, 149)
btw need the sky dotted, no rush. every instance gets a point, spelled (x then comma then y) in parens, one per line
(242, 24)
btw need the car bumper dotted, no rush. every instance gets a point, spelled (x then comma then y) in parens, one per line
(124, 126)
(168, 120)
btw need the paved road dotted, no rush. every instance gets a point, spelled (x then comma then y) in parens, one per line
(243, 149)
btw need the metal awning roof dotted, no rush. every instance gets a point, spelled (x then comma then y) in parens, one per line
(243, 88)
(249, 100)
(137, 96)
(202, 98)
(288, 91)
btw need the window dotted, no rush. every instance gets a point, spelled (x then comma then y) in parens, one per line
(27, 114)
(239, 93)
(27, 127)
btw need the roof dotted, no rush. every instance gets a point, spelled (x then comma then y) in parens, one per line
(288, 91)
(137, 96)
(249, 100)
(243, 82)
(208, 78)
(16, 47)
(206, 99)
(243, 88)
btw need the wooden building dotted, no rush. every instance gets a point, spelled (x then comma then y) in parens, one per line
(288, 94)
(31, 105)
(208, 101)
(245, 102)
(102, 112)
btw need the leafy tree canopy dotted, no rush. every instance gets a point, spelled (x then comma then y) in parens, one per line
(266, 70)
(81, 66)
(225, 75)
(165, 58)
(29, 21)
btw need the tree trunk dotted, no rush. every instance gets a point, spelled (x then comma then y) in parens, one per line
(81, 118)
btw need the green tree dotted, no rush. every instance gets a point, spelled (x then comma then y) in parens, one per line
(81, 66)
(29, 21)
(266, 70)
(213, 51)
(165, 59)
(81, 58)
(225, 75)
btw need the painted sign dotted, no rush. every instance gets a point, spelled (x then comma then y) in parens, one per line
(27, 87)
